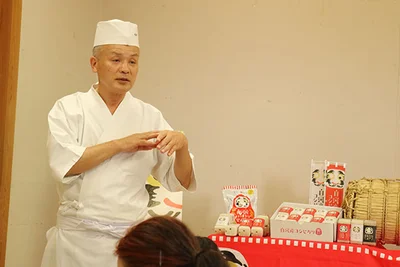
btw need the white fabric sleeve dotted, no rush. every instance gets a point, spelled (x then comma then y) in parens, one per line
(165, 174)
(62, 143)
(164, 170)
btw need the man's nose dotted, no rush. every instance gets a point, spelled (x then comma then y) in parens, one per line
(124, 68)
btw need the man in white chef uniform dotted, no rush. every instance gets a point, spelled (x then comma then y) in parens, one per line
(102, 145)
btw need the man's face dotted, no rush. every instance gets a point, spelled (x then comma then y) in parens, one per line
(116, 67)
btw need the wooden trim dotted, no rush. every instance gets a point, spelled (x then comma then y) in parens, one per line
(10, 29)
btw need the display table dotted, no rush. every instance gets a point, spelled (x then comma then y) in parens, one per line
(266, 252)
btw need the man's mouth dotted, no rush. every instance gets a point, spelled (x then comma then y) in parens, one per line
(123, 79)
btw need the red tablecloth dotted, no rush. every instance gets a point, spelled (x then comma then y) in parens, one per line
(266, 252)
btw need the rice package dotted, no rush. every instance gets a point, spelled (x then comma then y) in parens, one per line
(241, 201)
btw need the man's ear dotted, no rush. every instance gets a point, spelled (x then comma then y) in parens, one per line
(93, 63)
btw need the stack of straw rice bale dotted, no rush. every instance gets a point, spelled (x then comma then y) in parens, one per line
(378, 200)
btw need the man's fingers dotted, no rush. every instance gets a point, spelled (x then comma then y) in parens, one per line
(161, 136)
(151, 135)
(171, 151)
(149, 144)
(164, 142)
(167, 147)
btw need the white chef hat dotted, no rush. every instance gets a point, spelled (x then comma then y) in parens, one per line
(116, 31)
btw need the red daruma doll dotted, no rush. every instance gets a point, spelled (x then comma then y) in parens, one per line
(241, 201)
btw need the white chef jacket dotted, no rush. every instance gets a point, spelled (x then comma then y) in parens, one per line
(97, 207)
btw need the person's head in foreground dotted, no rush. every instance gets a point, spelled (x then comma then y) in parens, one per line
(165, 241)
(206, 243)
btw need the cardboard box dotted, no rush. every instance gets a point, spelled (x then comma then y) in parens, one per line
(313, 231)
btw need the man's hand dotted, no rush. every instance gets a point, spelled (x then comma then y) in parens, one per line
(171, 141)
(139, 141)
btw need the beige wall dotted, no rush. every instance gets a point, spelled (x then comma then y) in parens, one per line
(55, 49)
(260, 87)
